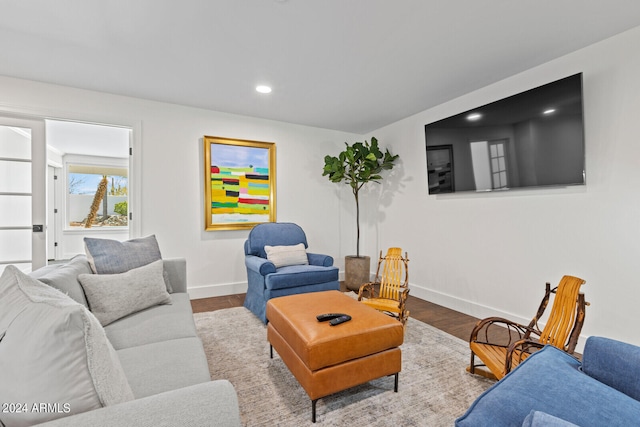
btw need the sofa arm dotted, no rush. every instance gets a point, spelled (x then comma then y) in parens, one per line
(259, 265)
(212, 403)
(614, 363)
(319, 259)
(176, 269)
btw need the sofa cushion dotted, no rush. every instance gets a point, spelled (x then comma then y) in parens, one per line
(154, 324)
(53, 351)
(550, 381)
(214, 403)
(162, 366)
(285, 255)
(300, 275)
(113, 296)
(64, 277)
(108, 256)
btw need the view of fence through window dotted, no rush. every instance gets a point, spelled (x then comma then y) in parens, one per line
(97, 196)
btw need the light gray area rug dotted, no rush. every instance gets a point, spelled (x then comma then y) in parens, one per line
(434, 387)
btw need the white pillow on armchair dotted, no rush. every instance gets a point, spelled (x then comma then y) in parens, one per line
(282, 256)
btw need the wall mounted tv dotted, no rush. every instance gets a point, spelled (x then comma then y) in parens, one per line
(529, 140)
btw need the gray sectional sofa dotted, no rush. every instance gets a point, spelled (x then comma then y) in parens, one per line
(156, 348)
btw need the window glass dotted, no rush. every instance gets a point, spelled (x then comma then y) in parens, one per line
(15, 176)
(99, 193)
(15, 246)
(15, 211)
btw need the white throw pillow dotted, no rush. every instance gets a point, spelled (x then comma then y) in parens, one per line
(53, 352)
(113, 296)
(281, 256)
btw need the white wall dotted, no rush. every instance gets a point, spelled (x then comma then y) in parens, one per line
(480, 254)
(491, 254)
(169, 141)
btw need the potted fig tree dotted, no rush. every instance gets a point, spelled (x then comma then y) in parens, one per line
(356, 166)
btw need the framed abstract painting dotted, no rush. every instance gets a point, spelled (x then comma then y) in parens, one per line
(239, 183)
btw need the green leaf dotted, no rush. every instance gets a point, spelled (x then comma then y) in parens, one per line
(358, 164)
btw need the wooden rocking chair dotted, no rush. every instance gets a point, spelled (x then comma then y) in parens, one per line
(393, 285)
(506, 345)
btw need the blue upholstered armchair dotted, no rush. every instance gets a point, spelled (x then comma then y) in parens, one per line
(266, 281)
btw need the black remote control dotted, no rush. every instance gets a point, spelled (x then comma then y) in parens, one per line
(340, 319)
(328, 316)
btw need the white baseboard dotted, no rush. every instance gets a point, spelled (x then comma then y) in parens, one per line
(449, 301)
(474, 309)
(372, 276)
(220, 290)
(464, 306)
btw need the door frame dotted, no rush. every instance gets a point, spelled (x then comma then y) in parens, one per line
(135, 151)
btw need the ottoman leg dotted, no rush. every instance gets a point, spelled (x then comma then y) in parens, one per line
(313, 410)
(395, 386)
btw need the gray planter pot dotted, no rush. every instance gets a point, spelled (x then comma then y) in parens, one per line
(356, 271)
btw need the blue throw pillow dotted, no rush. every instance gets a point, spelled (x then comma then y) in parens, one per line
(108, 256)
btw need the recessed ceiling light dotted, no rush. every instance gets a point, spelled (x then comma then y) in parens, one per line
(549, 111)
(263, 89)
(474, 116)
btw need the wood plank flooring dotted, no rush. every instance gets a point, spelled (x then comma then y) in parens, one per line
(449, 321)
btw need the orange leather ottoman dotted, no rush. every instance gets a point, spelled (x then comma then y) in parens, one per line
(326, 359)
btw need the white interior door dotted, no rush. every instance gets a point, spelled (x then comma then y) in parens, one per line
(22, 193)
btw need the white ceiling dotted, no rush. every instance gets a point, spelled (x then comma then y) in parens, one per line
(352, 65)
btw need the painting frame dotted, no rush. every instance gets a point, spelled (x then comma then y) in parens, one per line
(239, 183)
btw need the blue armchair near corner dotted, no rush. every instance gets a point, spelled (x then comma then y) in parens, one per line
(267, 281)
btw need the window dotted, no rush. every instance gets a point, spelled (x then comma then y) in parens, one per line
(98, 194)
(489, 160)
(497, 153)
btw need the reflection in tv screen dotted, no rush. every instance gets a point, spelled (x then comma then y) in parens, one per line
(532, 139)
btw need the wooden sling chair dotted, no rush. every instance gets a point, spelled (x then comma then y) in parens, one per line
(393, 284)
(502, 344)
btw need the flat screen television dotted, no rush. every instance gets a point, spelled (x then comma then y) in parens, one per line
(528, 140)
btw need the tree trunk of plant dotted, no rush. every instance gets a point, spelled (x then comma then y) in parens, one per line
(100, 192)
(355, 193)
(105, 206)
